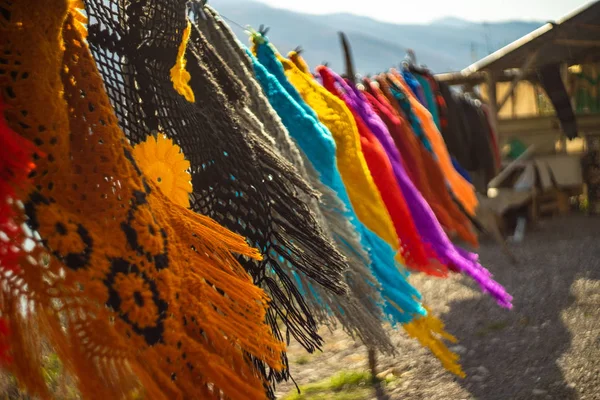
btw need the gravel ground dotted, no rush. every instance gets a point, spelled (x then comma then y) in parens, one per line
(547, 347)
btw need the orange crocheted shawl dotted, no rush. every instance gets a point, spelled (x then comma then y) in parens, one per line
(134, 292)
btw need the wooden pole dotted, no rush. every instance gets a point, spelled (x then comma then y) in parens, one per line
(373, 365)
(522, 72)
(493, 101)
(350, 74)
(578, 43)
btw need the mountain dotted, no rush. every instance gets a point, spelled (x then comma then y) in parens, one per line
(448, 44)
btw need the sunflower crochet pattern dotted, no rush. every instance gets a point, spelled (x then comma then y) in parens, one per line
(164, 163)
(238, 179)
(136, 294)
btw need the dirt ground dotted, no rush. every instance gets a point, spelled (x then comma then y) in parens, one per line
(547, 347)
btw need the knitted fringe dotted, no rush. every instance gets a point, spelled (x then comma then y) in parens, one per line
(363, 321)
(197, 303)
(238, 179)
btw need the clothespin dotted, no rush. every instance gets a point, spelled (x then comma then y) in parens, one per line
(255, 36)
(410, 60)
(412, 57)
(196, 7)
(263, 30)
(298, 50)
(258, 37)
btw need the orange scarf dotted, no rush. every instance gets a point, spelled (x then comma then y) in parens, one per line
(462, 189)
(425, 172)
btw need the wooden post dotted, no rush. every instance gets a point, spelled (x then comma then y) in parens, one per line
(373, 365)
(375, 382)
(350, 74)
(493, 101)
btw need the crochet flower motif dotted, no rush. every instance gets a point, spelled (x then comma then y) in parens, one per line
(136, 299)
(162, 161)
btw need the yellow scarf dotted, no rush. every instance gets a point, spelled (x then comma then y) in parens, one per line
(363, 192)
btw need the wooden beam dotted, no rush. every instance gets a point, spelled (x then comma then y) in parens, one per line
(592, 27)
(476, 78)
(498, 179)
(459, 78)
(522, 72)
(578, 43)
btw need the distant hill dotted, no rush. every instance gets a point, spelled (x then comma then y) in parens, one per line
(448, 44)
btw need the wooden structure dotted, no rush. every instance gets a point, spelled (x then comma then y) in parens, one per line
(507, 81)
(572, 41)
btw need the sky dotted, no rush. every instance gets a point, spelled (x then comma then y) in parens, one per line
(424, 11)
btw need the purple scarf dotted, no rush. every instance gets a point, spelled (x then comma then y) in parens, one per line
(427, 224)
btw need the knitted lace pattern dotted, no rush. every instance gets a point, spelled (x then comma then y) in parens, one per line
(238, 178)
(138, 296)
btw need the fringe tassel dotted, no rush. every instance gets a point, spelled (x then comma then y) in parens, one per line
(179, 75)
(429, 331)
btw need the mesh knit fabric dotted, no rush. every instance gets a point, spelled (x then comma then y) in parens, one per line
(136, 294)
(238, 179)
(400, 298)
(357, 312)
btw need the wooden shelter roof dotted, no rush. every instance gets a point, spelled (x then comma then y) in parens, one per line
(574, 39)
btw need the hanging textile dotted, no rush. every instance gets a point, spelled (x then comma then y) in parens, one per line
(317, 146)
(415, 86)
(463, 172)
(427, 179)
(476, 124)
(238, 178)
(158, 307)
(457, 138)
(400, 304)
(463, 191)
(15, 166)
(429, 97)
(451, 255)
(552, 82)
(493, 138)
(320, 149)
(295, 57)
(386, 167)
(469, 134)
(423, 168)
(358, 312)
(426, 220)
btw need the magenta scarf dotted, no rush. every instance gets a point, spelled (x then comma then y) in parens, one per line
(427, 224)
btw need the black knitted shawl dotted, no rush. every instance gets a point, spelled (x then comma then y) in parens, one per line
(238, 179)
(358, 313)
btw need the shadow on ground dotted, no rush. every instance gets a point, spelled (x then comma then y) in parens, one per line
(516, 354)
